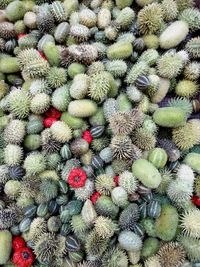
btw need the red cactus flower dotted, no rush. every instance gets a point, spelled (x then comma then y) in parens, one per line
(196, 200)
(116, 180)
(48, 122)
(21, 35)
(23, 257)
(77, 178)
(87, 136)
(53, 113)
(18, 242)
(94, 197)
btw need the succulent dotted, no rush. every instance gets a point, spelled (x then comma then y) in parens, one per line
(115, 257)
(180, 135)
(99, 132)
(193, 47)
(19, 103)
(192, 17)
(174, 34)
(129, 241)
(150, 18)
(5, 245)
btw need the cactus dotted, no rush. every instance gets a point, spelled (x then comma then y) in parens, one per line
(193, 47)
(150, 247)
(5, 246)
(129, 241)
(193, 160)
(158, 157)
(171, 254)
(77, 107)
(149, 19)
(15, 11)
(166, 224)
(129, 217)
(61, 132)
(173, 34)
(150, 178)
(119, 50)
(165, 117)
(115, 257)
(34, 163)
(180, 135)
(192, 17)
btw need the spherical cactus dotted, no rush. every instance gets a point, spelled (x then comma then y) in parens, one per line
(180, 135)
(129, 241)
(56, 77)
(61, 132)
(169, 66)
(193, 47)
(32, 141)
(170, 10)
(171, 254)
(13, 155)
(104, 227)
(128, 182)
(40, 103)
(186, 88)
(15, 99)
(12, 188)
(34, 163)
(158, 157)
(143, 139)
(191, 246)
(14, 132)
(192, 17)
(129, 217)
(119, 196)
(150, 18)
(15, 11)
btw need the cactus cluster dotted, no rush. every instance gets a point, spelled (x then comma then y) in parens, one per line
(99, 133)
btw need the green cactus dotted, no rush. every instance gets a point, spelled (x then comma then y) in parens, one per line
(166, 224)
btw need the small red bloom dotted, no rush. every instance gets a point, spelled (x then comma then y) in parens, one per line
(48, 122)
(42, 55)
(116, 180)
(23, 257)
(87, 136)
(18, 242)
(196, 200)
(53, 113)
(94, 197)
(21, 35)
(77, 178)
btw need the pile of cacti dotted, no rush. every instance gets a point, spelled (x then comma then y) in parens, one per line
(99, 133)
